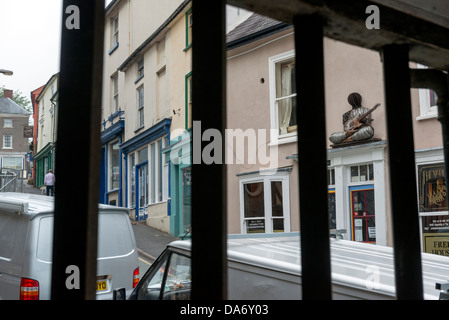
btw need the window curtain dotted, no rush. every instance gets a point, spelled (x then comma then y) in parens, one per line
(285, 105)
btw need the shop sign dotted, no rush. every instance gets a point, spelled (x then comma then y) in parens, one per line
(436, 234)
(432, 188)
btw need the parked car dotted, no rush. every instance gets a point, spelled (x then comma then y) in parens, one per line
(26, 243)
(268, 267)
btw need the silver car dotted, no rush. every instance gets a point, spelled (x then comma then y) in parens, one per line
(26, 242)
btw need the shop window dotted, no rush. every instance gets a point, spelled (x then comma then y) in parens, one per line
(363, 224)
(265, 207)
(114, 171)
(332, 210)
(433, 208)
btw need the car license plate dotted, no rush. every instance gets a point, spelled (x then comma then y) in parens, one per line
(102, 285)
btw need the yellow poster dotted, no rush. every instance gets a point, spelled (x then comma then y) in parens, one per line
(436, 243)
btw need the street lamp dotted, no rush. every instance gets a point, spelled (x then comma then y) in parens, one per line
(6, 72)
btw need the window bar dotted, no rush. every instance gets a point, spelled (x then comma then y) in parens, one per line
(406, 242)
(209, 256)
(79, 119)
(312, 158)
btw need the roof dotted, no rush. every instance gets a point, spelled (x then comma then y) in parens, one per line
(8, 106)
(253, 28)
(351, 261)
(40, 203)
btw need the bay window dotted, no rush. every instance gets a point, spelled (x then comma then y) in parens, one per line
(264, 203)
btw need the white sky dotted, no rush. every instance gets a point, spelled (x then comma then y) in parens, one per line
(29, 42)
(30, 37)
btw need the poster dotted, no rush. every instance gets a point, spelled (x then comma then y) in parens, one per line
(436, 234)
(432, 188)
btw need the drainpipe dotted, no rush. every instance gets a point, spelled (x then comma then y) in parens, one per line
(437, 81)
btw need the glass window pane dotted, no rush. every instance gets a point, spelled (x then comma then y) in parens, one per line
(332, 211)
(363, 173)
(115, 160)
(278, 225)
(253, 200)
(370, 172)
(143, 155)
(276, 199)
(355, 174)
(178, 282)
(153, 173)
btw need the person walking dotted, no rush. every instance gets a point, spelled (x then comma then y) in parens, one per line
(49, 182)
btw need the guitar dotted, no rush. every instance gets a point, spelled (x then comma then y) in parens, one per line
(355, 123)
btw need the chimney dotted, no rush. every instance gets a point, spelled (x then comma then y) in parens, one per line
(8, 93)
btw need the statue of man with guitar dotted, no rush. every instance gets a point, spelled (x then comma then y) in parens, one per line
(356, 122)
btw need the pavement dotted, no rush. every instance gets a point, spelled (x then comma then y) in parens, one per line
(150, 242)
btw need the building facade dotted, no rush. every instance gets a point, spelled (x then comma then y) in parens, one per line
(261, 87)
(136, 108)
(47, 124)
(14, 140)
(35, 105)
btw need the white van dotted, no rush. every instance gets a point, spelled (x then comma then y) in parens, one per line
(268, 267)
(26, 243)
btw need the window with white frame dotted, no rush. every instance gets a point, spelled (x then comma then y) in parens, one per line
(7, 123)
(114, 93)
(12, 163)
(140, 107)
(427, 102)
(140, 69)
(114, 40)
(158, 172)
(283, 96)
(114, 172)
(265, 204)
(7, 141)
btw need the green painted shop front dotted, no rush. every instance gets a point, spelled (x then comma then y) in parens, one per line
(44, 161)
(179, 155)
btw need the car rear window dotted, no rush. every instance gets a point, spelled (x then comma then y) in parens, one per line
(114, 236)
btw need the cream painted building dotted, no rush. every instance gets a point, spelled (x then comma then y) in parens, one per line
(47, 129)
(141, 39)
(261, 96)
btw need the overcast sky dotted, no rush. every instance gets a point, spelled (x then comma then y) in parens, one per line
(30, 37)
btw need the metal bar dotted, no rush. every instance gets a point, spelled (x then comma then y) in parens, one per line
(312, 158)
(405, 219)
(209, 257)
(77, 181)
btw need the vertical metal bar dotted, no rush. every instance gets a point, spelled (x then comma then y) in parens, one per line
(209, 257)
(312, 158)
(406, 243)
(78, 150)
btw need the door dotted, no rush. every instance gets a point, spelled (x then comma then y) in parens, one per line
(142, 191)
(363, 222)
(186, 199)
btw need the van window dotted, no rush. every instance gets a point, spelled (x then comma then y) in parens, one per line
(114, 235)
(45, 239)
(9, 235)
(174, 280)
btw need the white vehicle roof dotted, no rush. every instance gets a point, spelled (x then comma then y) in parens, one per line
(363, 266)
(32, 204)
